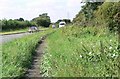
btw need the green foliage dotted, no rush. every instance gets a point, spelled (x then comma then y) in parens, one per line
(81, 52)
(14, 24)
(42, 20)
(107, 12)
(20, 19)
(98, 14)
(87, 11)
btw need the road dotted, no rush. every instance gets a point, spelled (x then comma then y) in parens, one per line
(7, 38)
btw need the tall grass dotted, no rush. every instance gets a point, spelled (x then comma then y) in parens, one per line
(81, 52)
(17, 54)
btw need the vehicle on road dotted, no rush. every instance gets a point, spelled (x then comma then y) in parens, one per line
(32, 29)
(62, 24)
(53, 26)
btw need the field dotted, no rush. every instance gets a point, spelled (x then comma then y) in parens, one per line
(17, 54)
(81, 52)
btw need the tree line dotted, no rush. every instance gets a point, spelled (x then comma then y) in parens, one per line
(13, 24)
(43, 20)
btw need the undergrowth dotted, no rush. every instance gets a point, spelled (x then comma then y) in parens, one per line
(81, 52)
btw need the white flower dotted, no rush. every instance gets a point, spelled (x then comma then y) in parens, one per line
(50, 55)
(110, 40)
(81, 42)
(90, 53)
(113, 55)
(114, 50)
(80, 56)
(110, 47)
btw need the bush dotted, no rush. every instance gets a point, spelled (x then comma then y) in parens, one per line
(14, 24)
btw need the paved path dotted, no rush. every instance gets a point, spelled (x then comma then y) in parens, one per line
(7, 38)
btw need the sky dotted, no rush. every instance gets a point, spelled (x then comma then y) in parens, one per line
(29, 9)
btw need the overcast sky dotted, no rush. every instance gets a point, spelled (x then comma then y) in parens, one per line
(29, 9)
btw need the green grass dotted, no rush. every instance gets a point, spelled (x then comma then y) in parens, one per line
(17, 54)
(81, 52)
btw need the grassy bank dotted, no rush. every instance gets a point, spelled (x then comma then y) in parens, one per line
(17, 54)
(81, 52)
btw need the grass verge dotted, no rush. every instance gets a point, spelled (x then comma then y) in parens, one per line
(81, 52)
(17, 54)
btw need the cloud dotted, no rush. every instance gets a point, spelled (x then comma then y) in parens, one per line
(29, 9)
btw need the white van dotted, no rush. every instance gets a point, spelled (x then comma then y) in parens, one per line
(62, 24)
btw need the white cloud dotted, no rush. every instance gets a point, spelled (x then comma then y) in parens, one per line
(29, 9)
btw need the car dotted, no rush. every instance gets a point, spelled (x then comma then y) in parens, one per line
(62, 24)
(53, 26)
(32, 29)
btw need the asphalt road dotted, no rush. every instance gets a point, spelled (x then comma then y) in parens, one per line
(7, 38)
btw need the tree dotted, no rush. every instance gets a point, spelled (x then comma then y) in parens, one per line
(86, 14)
(42, 20)
(21, 19)
(67, 21)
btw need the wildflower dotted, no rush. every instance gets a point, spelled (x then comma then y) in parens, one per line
(110, 40)
(50, 55)
(113, 54)
(80, 56)
(114, 50)
(110, 48)
(90, 53)
(81, 42)
(116, 47)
